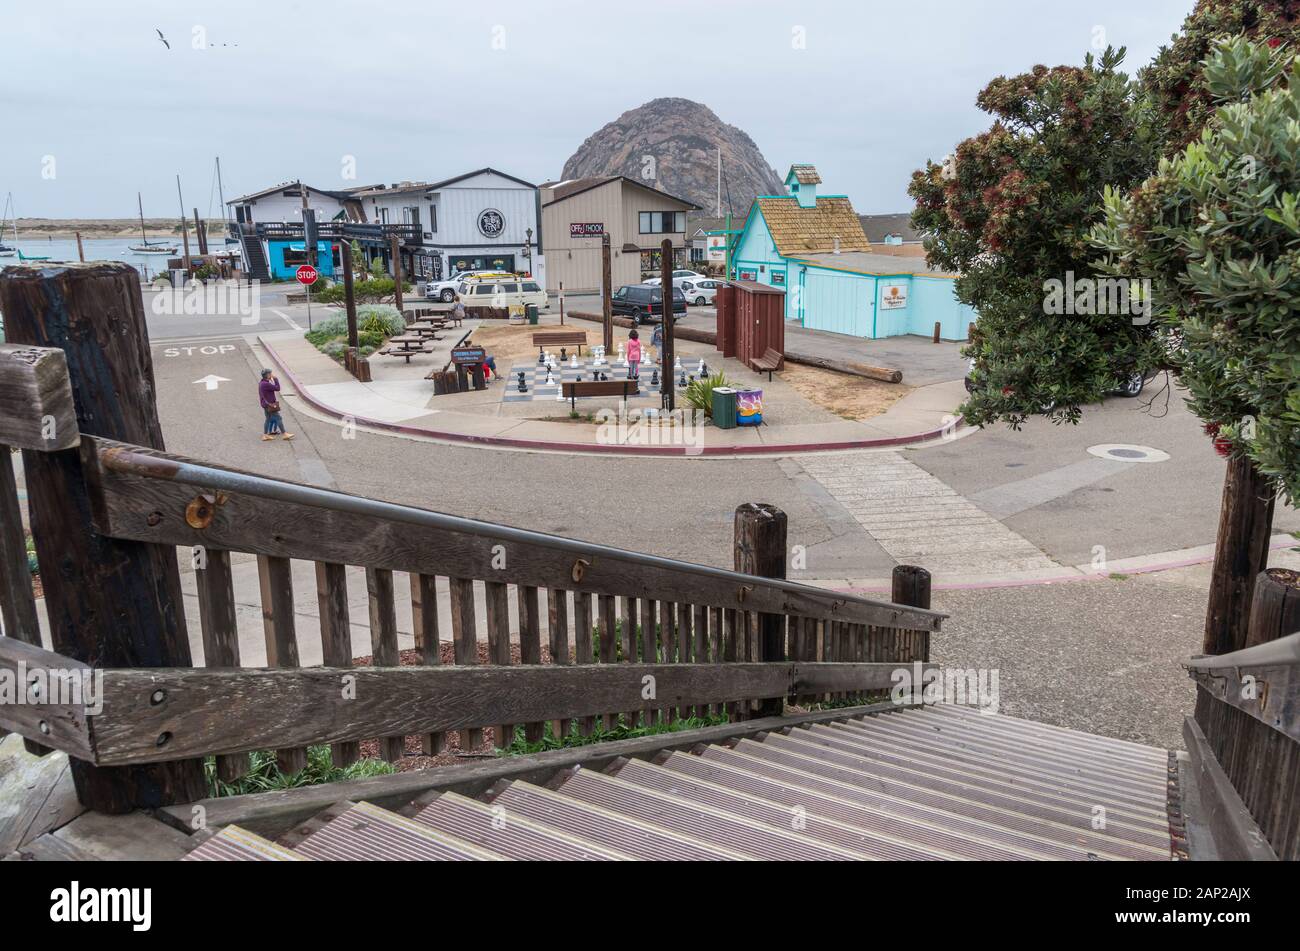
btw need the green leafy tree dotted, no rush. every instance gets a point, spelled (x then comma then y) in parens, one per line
(1010, 212)
(1217, 231)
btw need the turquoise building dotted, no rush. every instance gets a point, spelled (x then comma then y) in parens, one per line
(813, 247)
(283, 258)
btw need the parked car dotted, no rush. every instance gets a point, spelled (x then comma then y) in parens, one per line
(498, 291)
(643, 301)
(446, 290)
(678, 278)
(700, 291)
(1130, 385)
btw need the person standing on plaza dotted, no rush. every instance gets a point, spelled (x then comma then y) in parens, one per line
(634, 355)
(268, 393)
(657, 341)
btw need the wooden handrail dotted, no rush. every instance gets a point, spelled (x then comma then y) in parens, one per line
(149, 715)
(158, 497)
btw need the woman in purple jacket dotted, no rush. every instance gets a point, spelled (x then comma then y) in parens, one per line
(267, 390)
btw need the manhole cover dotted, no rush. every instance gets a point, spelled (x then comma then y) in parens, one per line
(1121, 453)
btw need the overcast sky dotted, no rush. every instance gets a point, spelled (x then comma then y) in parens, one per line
(94, 106)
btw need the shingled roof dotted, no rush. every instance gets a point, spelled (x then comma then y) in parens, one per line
(798, 231)
(805, 174)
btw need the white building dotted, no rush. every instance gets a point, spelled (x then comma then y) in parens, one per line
(283, 204)
(484, 219)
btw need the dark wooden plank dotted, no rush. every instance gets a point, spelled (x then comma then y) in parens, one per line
(629, 642)
(225, 711)
(759, 548)
(1273, 697)
(220, 627)
(36, 406)
(335, 637)
(496, 595)
(668, 636)
(557, 627)
(60, 725)
(275, 581)
(424, 615)
(582, 645)
(649, 648)
(17, 604)
(530, 644)
(110, 602)
(1235, 833)
(383, 643)
(401, 540)
(607, 617)
(464, 635)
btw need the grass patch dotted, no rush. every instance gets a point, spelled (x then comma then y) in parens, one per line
(1118, 576)
(265, 774)
(621, 731)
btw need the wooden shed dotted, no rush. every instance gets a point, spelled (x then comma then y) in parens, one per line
(751, 324)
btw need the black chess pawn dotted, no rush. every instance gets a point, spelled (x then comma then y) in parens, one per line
(564, 355)
(682, 381)
(522, 387)
(654, 380)
(541, 357)
(704, 369)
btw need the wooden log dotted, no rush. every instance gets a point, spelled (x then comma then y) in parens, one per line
(335, 637)
(275, 580)
(36, 406)
(220, 626)
(1275, 606)
(496, 596)
(424, 614)
(530, 645)
(1240, 554)
(204, 711)
(759, 549)
(383, 643)
(465, 640)
(884, 374)
(110, 602)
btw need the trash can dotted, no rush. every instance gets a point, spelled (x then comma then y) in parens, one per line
(749, 407)
(531, 310)
(724, 407)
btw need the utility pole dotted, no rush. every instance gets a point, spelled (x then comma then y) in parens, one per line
(667, 386)
(349, 294)
(606, 294)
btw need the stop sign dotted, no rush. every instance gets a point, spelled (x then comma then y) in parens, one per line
(306, 274)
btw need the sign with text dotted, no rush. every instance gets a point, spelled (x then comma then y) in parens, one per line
(893, 297)
(588, 229)
(306, 274)
(468, 356)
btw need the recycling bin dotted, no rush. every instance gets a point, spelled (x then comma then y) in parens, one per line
(749, 407)
(531, 310)
(724, 407)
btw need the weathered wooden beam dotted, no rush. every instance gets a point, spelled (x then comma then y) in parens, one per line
(404, 538)
(56, 712)
(1235, 834)
(1270, 694)
(36, 407)
(759, 549)
(151, 715)
(110, 602)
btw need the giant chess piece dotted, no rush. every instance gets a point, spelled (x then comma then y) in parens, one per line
(704, 369)
(600, 355)
(682, 381)
(573, 361)
(523, 388)
(541, 356)
(549, 379)
(622, 354)
(564, 355)
(677, 365)
(654, 380)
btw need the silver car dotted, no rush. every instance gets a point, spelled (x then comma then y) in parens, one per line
(700, 290)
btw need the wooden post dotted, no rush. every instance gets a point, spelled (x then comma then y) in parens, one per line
(349, 295)
(1240, 554)
(200, 233)
(1275, 608)
(396, 252)
(111, 603)
(81, 251)
(606, 294)
(937, 328)
(668, 352)
(759, 549)
(911, 586)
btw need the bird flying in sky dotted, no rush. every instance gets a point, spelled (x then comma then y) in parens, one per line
(162, 38)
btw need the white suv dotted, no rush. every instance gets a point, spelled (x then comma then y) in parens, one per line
(700, 291)
(446, 290)
(503, 292)
(678, 278)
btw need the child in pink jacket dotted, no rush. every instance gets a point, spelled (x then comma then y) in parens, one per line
(633, 356)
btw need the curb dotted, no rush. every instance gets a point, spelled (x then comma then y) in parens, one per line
(538, 445)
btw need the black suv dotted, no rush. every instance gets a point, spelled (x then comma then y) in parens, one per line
(644, 301)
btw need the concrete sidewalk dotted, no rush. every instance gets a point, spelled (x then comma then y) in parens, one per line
(406, 405)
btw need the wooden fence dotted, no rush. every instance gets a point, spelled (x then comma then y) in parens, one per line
(647, 638)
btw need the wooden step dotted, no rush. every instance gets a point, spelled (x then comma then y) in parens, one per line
(233, 844)
(368, 833)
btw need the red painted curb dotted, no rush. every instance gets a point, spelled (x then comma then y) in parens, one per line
(534, 444)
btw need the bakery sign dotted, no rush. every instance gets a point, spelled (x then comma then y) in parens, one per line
(893, 297)
(586, 229)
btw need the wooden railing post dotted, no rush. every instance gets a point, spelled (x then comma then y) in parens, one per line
(911, 586)
(111, 603)
(759, 549)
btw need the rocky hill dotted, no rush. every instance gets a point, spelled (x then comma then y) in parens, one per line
(683, 137)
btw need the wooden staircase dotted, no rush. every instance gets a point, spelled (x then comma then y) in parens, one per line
(937, 782)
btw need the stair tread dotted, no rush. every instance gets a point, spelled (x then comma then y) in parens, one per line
(510, 832)
(235, 844)
(366, 831)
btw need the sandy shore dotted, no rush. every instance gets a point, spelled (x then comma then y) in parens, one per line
(106, 227)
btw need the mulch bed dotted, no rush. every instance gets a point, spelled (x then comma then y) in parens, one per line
(415, 758)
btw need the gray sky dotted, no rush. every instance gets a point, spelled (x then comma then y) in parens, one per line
(424, 91)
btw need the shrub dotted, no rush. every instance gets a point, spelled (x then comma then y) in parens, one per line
(369, 338)
(699, 393)
(366, 351)
(334, 349)
(331, 326)
(372, 289)
(380, 318)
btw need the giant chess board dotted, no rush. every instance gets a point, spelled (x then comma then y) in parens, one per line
(585, 368)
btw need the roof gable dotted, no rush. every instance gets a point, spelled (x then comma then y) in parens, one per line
(803, 174)
(797, 231)
(482, 171)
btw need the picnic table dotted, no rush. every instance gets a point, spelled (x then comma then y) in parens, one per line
(426, 329)
(405, 345)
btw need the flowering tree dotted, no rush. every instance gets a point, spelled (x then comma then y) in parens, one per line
(1010, 212)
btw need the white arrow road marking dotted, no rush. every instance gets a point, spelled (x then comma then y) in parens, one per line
(211, 381)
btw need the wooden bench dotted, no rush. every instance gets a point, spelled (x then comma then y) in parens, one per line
(560, 338)
(572, 389)
(768, 363)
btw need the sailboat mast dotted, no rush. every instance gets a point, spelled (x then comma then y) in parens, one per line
(221, 193)
(185, 231)
(140, 204)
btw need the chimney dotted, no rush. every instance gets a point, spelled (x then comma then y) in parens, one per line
(837, 244)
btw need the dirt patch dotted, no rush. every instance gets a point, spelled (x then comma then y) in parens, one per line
(845, 395)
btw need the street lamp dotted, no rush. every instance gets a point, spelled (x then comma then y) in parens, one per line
(528, 249)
